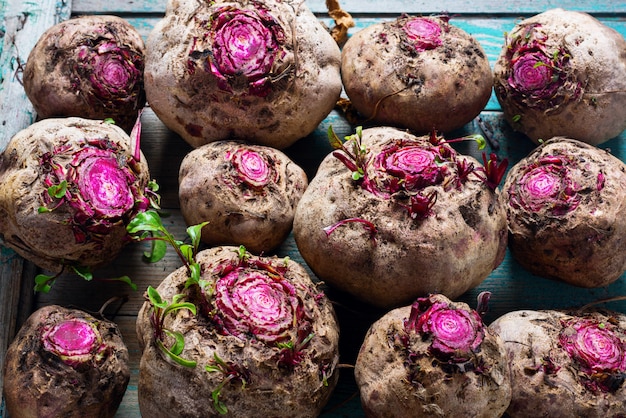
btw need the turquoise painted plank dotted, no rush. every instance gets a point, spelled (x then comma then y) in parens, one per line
(22, 22)
(502, 7)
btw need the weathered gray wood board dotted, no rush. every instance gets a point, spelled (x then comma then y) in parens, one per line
(512, 288)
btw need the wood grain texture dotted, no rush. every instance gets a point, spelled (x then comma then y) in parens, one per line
(21, 24)
(512, 288)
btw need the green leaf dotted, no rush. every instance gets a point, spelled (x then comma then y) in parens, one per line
(146, 221)
(127, 280)
(178, 306)
(333, 139)
(219, 406)
(177, 298)
(219, 360)
(155, 298)
(286, 344)
(84, 272)
(179, 342)
(359, 131)
(212, 368)
(187, 252)
(43, 283)
(43, 209)
(481, 142)
(195, 233)
(195, 273)
(153, 186)
(57, 191)
(157, 251)
(243, 254)
(176, 358)
(516, 118)
(356, 176)
(110, 121)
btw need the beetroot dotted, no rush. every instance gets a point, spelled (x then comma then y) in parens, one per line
(65, 362)
(90, 67)
(247, 194)
(561, 73)
(68, 187)
(391, 216)
(264, 72)
(434, 358)
(566, 213)
(565, 363)
(248, 327)
(421, 73)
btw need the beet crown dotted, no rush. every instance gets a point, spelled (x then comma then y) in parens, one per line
(455, 334)
(599, 350)
(245, 43)
(98, 182)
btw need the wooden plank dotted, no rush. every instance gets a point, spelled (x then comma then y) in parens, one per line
(492, 8)
(23, 21)
(21, 24)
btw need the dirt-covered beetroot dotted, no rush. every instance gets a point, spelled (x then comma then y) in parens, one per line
(247, 193)
(565, 363)
(434, 358)
(407, 216)
(68, 187)
(420, 73)
(266, 72)
(90, 67)
(65, 362)
(567, 213)
(562, 73)
(263, 341)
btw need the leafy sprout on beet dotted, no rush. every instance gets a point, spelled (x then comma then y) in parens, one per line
(160, 309)
(96, 183)
(44, 282)
(231, 372)
(148, 226)
(494, 170)
(350, 152)
(404, 169)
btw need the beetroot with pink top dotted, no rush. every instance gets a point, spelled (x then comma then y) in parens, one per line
(565, 363)
(265, 72)
(89, 67)
(433, 358)
(68, 188)
(262, 340)
(420, 73)
(562, 73)
(567, 213)
(65, 362)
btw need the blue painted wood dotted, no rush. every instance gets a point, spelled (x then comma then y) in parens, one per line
(358, 7)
